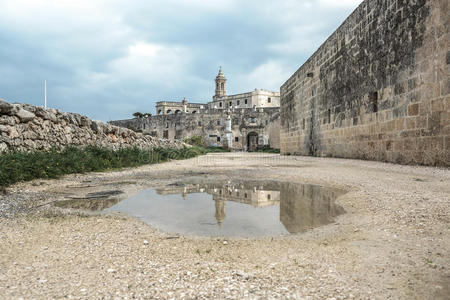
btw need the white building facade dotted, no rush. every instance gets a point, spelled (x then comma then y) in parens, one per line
(257, 98)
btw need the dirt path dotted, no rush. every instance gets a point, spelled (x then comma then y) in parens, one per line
(393, 242)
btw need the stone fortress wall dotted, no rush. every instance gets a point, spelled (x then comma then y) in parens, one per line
(210, 124)
(378, 88)
(25, 127)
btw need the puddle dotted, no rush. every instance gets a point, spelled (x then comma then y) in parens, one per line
(231, 208)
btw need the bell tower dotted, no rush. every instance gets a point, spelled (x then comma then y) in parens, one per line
(220, 84)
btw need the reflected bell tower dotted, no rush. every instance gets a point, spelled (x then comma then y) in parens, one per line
(220, 211)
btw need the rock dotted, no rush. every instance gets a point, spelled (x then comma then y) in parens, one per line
(12, 132)
(225, 242)
(44, 114)
(7, 120)
(242, 274)
(3, 147)
(145, 242)
(24, 115)
(111, 270)
(96, 126)
(85, 121)
(5, 107)
(30, 108)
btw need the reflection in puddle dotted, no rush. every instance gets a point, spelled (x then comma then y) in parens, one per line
(249, 208)
(233, 208)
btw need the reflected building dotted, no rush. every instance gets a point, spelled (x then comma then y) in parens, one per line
(308, 206)
(302, 206)
(255, 195)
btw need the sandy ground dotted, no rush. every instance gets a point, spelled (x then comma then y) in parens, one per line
(393, 242)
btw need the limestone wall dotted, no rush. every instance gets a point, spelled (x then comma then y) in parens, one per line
(25, 127)
(210, 124)
(378, 88)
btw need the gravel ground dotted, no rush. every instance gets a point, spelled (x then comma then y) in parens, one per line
(393, 242)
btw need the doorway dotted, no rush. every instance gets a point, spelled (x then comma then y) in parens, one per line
(252, 142)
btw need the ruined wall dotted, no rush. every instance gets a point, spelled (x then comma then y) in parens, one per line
(25, 127)
(210, 124)
(378, 88)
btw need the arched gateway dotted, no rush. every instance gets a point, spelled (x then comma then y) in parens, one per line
(252, 141)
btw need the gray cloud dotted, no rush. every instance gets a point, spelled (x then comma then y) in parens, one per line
(108, 59)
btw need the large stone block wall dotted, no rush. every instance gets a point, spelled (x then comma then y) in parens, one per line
(210, 124)
(25, 128)
(377, 89)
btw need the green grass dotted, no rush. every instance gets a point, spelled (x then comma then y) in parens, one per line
(26, 166)
(268, 150)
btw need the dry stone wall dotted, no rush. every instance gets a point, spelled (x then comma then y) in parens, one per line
(25, 127)
(378, 88)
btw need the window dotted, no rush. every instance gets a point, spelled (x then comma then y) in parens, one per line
(269, 100)
(167, 125)
(231, 103)
(245, 101)
(222, 85)
(373, 98)
(235, 121)
(236, 139)
(303, 124)
(329, 116)
(245, 195)
(252, 119)
(220, 104)
(199, 123)
(268, 197)
(218, 123)
(267, 122)
(239, 102)
(218, 138)
(166, 134)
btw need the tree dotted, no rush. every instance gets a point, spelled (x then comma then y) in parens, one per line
(138, 115)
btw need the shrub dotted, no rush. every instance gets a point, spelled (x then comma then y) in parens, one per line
(195, 140)
(26, 166)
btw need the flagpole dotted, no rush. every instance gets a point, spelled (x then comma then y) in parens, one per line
(45, 94)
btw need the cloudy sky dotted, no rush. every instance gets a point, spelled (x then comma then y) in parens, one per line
(110, 58)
